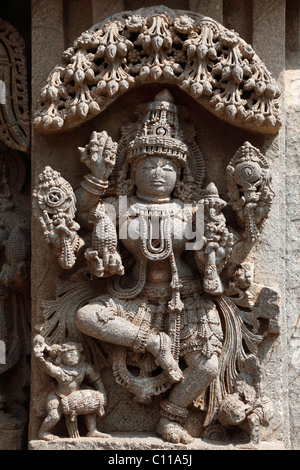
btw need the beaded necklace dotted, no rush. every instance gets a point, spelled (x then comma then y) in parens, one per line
(161, 248)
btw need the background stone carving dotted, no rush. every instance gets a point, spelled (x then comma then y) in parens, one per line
(14, 114)
(15, 239)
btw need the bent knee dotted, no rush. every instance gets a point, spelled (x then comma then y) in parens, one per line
(212, 367)
(82, 318)
(54, 413)
(89, 317)
(202, 366)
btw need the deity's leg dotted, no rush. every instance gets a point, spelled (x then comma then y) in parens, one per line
(196, 378)
(52, 418)
(100, 322)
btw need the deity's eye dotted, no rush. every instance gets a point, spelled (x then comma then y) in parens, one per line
(168, 167)
(148, 167)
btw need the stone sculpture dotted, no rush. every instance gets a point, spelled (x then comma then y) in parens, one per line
(56, 197)
(64, 363)
(156, 271)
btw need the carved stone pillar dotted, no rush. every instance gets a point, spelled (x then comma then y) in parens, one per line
(14, 240)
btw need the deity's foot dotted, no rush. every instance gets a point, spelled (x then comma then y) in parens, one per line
(47, 436)
(173, 432)
(96, 433)
(160, 347)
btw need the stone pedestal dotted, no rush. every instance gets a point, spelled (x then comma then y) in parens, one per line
(146, 442)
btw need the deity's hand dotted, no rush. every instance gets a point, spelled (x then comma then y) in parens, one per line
(99, 155)
(224, 248)
(39, 347)
(220, 244)
(58, 229)
(58, 234)
(107, 265)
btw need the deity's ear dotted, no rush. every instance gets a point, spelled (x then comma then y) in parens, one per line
(131, 169)
(181, 171)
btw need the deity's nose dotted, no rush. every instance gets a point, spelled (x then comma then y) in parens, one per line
(158, 171)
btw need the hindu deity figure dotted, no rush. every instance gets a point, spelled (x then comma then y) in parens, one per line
(166, 312)
(162, 259)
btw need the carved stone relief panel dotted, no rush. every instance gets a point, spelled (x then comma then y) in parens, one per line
(152, 307)
(14, 240)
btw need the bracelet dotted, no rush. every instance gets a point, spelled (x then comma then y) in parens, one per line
(94, 185)
(141, 339)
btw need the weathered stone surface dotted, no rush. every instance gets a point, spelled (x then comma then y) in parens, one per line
(292, 191)
(12, 432)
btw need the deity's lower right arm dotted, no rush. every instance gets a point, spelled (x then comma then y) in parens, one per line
(55, 209)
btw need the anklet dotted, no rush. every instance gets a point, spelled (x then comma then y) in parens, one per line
(173, 412)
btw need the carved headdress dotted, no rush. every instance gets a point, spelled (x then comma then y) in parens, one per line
(159, 133)
(71, 346)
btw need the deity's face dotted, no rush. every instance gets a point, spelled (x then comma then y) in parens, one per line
(155, 177)
(71, 358)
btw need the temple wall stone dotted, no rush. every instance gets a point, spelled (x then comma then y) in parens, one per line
(292, 108)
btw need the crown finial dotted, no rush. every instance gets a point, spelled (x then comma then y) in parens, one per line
(164, 95)
(159, 133)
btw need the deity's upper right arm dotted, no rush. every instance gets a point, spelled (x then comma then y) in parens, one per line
(85, 201)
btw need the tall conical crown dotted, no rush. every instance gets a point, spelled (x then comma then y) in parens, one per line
(159, 133)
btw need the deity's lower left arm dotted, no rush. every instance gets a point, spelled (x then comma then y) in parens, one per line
(250, 190)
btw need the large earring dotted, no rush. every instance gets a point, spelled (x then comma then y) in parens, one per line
(125, 186)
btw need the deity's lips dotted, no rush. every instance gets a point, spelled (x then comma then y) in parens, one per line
(157, 182)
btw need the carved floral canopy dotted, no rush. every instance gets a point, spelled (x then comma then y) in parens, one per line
(159, 45)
